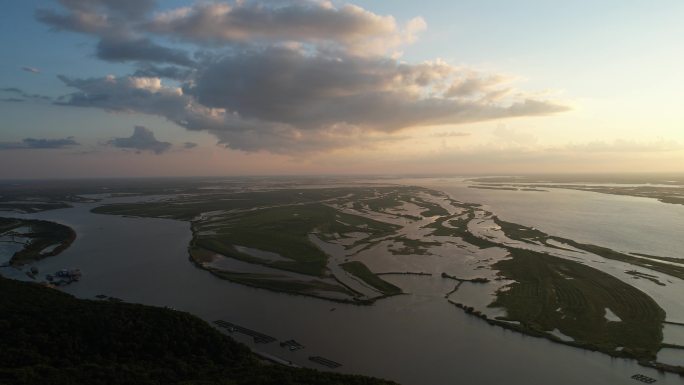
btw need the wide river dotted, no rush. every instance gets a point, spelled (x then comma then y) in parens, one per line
(414, 339)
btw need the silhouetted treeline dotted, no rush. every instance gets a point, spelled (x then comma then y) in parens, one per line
(49, 337)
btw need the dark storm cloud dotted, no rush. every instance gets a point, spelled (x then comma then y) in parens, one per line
(142, 139)
(41, 144)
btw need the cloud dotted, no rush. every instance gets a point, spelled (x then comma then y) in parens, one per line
(121, 50)
(279, 100)
(628, 146)
(130, 94)
(280, 76)
(142, 139)
(21, 95)
(32, 70)
(474, 85)
(169, 72)
(101, 17)
(41, 144)
(349, 26)
(114, 23)
(189, 145)
(451, 134)
(127, 8)
(76, 21)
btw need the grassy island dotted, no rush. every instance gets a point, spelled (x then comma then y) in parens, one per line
(274, 229)
(40, 239)
(361, 271)
(594, 310)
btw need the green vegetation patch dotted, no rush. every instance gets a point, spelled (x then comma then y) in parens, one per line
(638, 274)
(189, 207)
(412, 246)
(385, 202)
(669, 269)
(531, 235)
(278, 221)
(361, 271)
(553, 293)
(41, 236)
(666, 259)
(459, 228)
(431, 209)
(523, 233)
(49, 337)
(441, 230)
(285, 230)
(282, 284)
(494, 188)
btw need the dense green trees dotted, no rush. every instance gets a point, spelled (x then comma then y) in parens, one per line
(48, 337)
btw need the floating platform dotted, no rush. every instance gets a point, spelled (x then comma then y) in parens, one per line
(259, 338)
(325, 362)
(643, 378)
(292, 345)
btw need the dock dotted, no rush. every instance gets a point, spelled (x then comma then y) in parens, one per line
(643, 378)
(325, 362)
(259, 338)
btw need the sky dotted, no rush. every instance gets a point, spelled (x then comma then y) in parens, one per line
(118, 88)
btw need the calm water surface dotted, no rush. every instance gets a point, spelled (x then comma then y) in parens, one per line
(624, 223)
(415, 339)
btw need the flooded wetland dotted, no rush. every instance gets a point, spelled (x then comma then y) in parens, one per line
(421, 281)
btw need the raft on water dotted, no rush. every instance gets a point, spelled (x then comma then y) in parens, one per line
(325, 362)
(292, 345)
(259, 338)
(643, 378)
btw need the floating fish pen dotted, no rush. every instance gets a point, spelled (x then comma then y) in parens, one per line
(62, 277)
(292, 345)
(259, 338)
(642, 378)
(325, 362)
